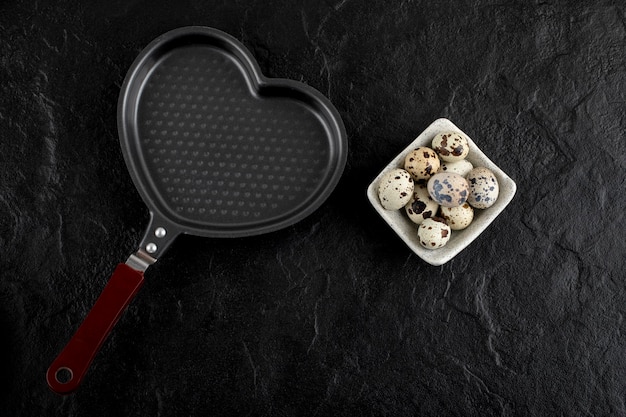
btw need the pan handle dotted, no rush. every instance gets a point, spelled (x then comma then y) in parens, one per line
(67, 371)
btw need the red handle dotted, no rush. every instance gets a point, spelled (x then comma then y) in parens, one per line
(67, 371)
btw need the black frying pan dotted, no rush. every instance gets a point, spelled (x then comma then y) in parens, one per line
(215, 149)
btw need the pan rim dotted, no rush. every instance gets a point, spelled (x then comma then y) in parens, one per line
(140, 174)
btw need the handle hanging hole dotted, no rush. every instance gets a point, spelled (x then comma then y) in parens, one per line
(63, 375)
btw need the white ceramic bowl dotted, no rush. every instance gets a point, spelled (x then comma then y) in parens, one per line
(460, 239)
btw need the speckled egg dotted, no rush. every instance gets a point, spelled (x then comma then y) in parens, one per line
(421, 205)
(422, 163)
(458, 217)
(448, 189)
(462, 167)
(395, 189)
(484, 189)
(433, 233)
(451, 146)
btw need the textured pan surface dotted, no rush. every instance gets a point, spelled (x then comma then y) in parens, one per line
(218, 149)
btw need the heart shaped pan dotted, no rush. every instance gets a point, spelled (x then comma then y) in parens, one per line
(217, 149)
(214, 149)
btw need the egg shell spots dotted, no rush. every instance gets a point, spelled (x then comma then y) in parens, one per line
(451, 146)
(448, 189)
(433, 233)
(422, 163)
(484, 188)
(395, 189)
(421, 205)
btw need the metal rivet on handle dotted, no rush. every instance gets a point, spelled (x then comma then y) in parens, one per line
(160, 232)
(151, 248)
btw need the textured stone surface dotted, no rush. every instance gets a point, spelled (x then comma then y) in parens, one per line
(332, 316)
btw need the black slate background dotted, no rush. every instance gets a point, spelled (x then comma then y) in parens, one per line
(332, 316)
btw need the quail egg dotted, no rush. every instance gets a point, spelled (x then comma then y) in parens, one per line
(421, 205)
(459, 217)
(433, 233)
(448, 189)
(395, 189)
(462, 167)
(483, 188)
(451, 146)
(422, 163)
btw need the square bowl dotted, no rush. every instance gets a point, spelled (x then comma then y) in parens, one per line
(460, 239)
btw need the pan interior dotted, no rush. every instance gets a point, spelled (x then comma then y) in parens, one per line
(218, 151)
